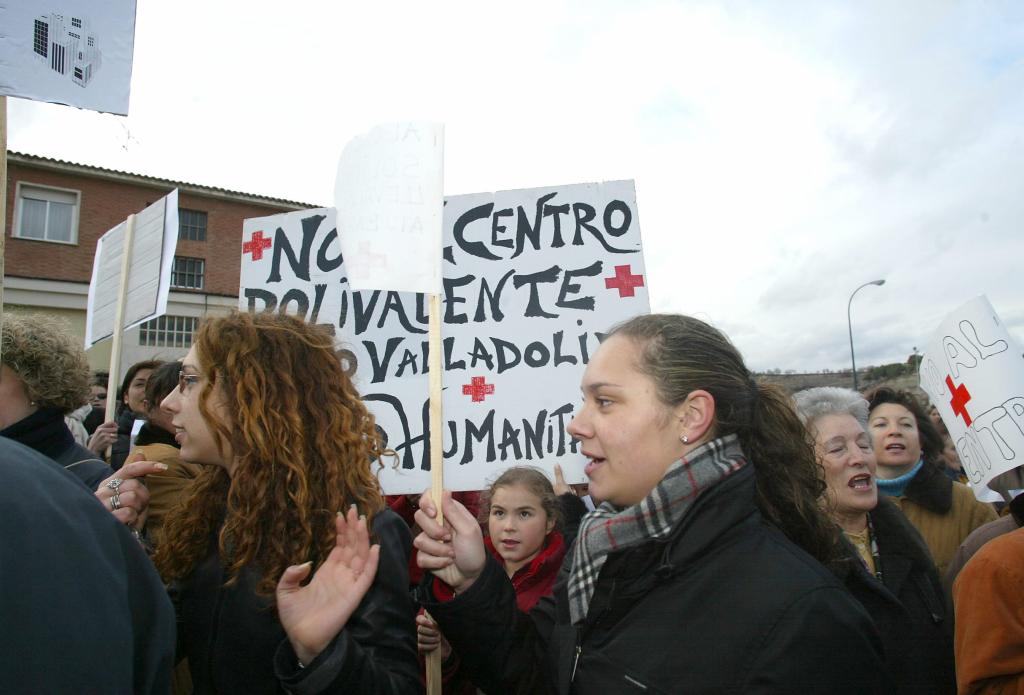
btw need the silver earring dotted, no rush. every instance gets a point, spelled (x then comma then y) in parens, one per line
(684, 439)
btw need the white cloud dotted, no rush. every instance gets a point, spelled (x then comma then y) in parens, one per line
(782, 156)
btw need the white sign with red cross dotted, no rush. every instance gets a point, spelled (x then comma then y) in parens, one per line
(973, 372)
(532, 280)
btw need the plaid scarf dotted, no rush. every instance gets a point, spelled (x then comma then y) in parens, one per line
(607, 529)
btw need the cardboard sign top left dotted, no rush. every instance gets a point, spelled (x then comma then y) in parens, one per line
(74, 52)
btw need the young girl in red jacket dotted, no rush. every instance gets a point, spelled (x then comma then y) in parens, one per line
(522, 513)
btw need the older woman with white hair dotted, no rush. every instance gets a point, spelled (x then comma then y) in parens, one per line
(890, 571)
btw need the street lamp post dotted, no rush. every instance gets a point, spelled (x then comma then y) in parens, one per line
(849, 323)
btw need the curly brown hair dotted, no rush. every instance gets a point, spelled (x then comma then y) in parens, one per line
(303, 446)
(48, 359)
(682, 354)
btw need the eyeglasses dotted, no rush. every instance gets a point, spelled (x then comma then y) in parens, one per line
(186, 380)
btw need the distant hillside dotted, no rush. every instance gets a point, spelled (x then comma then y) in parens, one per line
(798, 382)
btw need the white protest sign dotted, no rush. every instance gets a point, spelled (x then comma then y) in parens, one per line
(75, 52)
(973, 372)
(532, 280)
(388, 195)
(149, 271)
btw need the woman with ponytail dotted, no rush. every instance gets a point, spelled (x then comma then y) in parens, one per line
(288, 492)
(703, 569)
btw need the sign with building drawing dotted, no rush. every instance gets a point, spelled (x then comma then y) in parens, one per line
(973, 372)
(155, 239)
(532, 279)
(74, 52)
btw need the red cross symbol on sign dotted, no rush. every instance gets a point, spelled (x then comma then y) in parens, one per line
(624, 281)
(477, 389)
(256, 245)
(959, 401)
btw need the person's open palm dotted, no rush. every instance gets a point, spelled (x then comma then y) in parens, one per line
(313, 614)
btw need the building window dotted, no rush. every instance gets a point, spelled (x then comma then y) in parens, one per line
(191, 225)
(41, 38)
(188, 273)
(76, 22)
(46, 214)
(168, 331)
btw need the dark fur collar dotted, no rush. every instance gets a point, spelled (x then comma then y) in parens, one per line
(932, 489)
(903, 554)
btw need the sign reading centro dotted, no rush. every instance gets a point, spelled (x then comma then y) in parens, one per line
(532, 280)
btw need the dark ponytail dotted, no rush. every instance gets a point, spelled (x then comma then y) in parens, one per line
(683, 354)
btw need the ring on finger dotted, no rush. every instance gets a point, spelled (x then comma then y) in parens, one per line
(115, 502)
(114, 483)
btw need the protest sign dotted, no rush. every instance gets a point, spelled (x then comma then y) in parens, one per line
(75, 52)
(531, 281)
(973, 372)
(388, 196)
(148, 278)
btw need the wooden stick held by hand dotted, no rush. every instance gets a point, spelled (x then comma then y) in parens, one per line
(434, 680)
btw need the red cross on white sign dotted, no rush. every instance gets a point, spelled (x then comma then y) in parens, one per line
(256, 245)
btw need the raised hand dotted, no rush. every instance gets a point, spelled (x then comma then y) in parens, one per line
(455, 552)
(101, 439)
(313, 614)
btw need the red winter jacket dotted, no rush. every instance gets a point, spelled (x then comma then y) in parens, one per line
(537, 579)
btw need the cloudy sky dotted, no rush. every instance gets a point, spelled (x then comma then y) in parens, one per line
(784, 153)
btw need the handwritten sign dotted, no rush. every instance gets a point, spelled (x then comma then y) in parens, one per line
(531, 281)
(973, 372)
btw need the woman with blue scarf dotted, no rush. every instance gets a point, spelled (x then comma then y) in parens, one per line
(908, 449)
(701, 572)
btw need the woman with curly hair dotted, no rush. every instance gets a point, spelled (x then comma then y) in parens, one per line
(701, 571)
(44, 376)
(265, 402)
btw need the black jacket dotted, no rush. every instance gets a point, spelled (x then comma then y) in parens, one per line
(908, 606)
(725, 604)
(83, 610)
(46, 432)
(120, 449)
(235, 643)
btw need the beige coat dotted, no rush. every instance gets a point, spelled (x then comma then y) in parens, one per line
(166, 487)
(943, 511)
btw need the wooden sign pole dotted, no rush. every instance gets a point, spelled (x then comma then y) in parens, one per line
(115, 348)
(434, 681)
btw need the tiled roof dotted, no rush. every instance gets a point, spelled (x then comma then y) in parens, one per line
(128, 177)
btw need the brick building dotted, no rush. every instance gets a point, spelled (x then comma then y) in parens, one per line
(56, 211)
